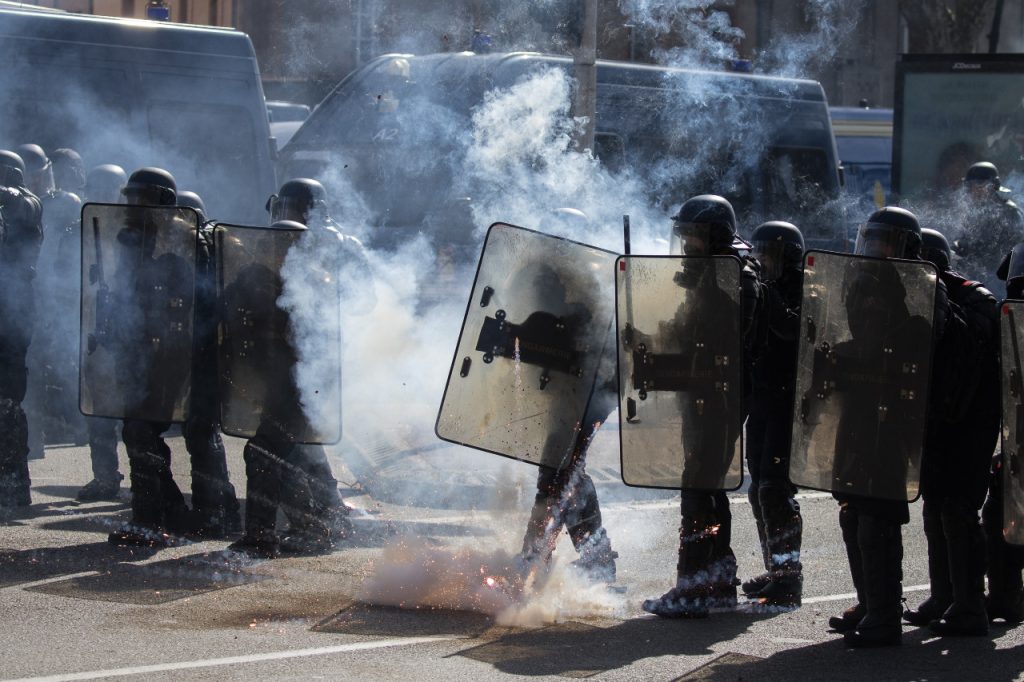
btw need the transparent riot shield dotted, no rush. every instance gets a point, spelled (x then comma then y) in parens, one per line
(137, 305)
(679, 334)
(279, 340)
(863, 375)
(1012, 330)
(536, 326)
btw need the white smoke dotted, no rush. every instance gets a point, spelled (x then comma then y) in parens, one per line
(413, 575)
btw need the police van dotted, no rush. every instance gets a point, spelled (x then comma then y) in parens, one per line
(141, 93)
(394, 127)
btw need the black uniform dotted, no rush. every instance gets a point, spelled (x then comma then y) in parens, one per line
(706, 558)
(21, 239)
(150, 288)
(885, 340)
(281, 471)
(53, 358)
(1005, 562)
(566, 496)
(706, 569)
(769, 432)
(101, 433)
(954, 478)
(213, 496)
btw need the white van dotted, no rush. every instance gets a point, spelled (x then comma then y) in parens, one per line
(142, 93)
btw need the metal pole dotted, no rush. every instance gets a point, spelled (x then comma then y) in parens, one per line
(993, 36)
(585, 67)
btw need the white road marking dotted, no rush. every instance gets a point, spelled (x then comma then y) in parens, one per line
(853, 595)
(234, 660)
(647, 505)
(47, 581)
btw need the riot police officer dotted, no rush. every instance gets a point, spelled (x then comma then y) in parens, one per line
(279, 470)
(872, 526)
(962, 435)
(54, 414)
(213, 497)
(1005, 599)
(103, 185)
(778, 248)
(994, 223)
(38, 169)
(158, 507)
(706, 572)
(23, 234)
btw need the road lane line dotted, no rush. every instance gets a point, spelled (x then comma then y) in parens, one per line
(853, 595)
(645, 505)
(47, 581)
(234, 660)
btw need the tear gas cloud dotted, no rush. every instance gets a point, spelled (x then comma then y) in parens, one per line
(512, 158)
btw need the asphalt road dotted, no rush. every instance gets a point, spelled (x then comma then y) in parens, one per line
(395, 602)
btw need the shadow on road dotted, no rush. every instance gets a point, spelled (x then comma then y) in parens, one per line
(922, 657)
(159, 582)
(29, 565)
(576, 649)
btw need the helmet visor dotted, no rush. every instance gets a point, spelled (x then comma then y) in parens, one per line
(288, 208)
(146, 195)
(881, 241)
(41, 181)
(692, 239)
(770, 253)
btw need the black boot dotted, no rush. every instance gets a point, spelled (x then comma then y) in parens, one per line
(1005, 598)
(754, 585)
(848, 619)
(147, 480)
(597, 559)
(784, 532)
(966, 616)
(881, 544)
(15, 485)
(941, 595)
(690, 596)
(263, 465)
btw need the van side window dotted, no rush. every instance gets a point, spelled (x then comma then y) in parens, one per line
(790, 182)
(84, 117)
(223, 160)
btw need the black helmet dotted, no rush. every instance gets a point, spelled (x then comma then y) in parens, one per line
(104, 183)
(192, 200)
(778, 246)
(935, 249)
(983, 172)
(296, 201)
(12, 169)
(68, 170)
(151, 187)
(38, 168)
(890, 232)
(707, 223)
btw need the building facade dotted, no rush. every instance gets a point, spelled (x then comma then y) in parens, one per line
(304, 48)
